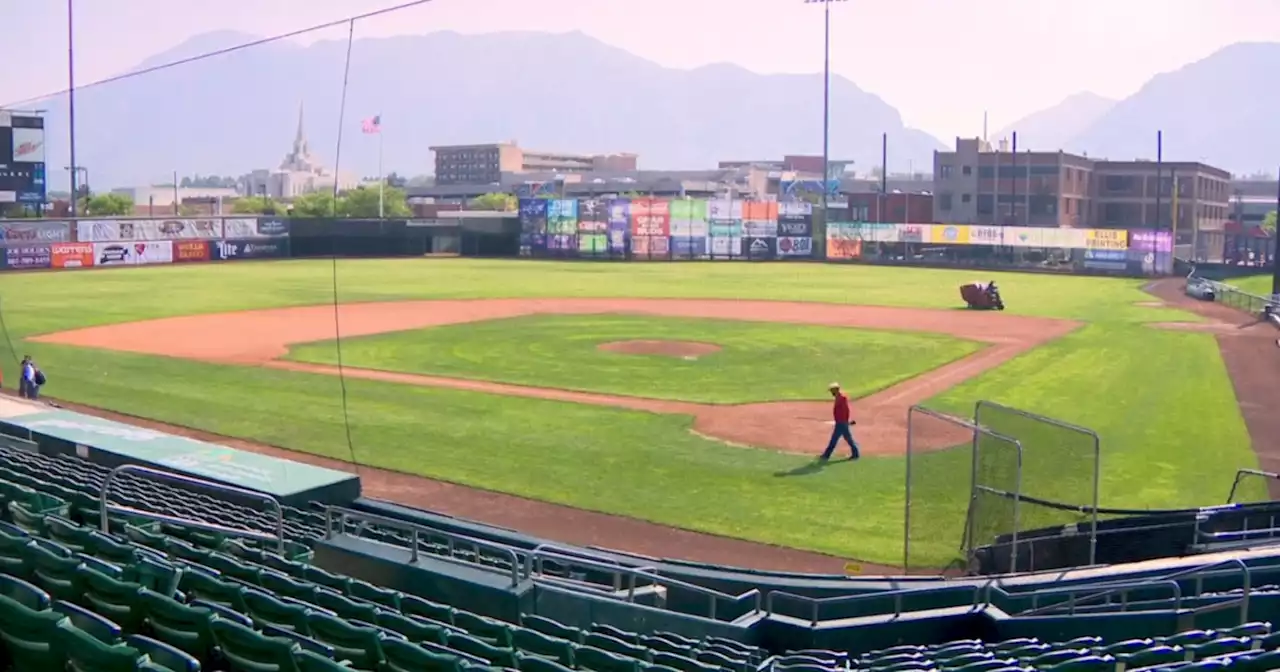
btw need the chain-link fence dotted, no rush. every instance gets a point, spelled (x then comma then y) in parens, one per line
(955, 470)
(1061, 469)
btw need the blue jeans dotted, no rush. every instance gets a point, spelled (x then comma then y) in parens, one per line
(840, 431)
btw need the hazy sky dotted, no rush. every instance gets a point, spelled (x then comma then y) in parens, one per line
(940, 62)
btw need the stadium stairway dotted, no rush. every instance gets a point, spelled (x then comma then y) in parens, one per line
(161, 595)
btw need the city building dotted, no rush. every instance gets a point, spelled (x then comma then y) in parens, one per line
(737, 183)
(981, 183)
(161, 200)
(299, 173)
(488, 163)
(895, 207)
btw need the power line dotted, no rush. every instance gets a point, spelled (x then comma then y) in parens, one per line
(220, 52)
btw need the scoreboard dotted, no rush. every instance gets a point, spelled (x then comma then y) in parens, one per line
(22, 160)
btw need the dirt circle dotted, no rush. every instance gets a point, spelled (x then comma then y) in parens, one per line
(678, 349)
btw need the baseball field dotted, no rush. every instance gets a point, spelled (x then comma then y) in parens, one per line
(606, 403)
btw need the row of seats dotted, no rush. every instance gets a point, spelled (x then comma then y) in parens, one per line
(148, 583)
(77, 484)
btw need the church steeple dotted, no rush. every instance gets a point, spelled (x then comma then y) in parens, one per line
(300, 139)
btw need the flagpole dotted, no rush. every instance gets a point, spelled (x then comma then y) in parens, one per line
(381, 182)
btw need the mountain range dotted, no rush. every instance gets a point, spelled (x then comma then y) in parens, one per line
(231, 113)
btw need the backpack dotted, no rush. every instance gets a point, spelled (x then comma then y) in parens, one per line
(40, 379)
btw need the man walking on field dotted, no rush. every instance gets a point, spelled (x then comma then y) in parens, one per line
(840, 414)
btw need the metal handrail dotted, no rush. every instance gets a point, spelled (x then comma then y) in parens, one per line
(1121, 589)
(106, 508)
(816, 602)
(584, 560)
(1194, 571)
(414, 529)
(649, 573)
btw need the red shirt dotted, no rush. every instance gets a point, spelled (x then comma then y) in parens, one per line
(840, 412)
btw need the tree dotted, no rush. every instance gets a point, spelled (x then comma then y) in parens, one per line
(363, 202)
(1269, 223)
(314, 204)
(106, 205)
(394, 179)
(496, 201)
(255, 205)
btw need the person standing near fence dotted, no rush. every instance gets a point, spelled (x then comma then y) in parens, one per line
(29, 379)
(842, 419)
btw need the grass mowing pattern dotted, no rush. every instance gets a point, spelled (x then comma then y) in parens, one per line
(1172, 434)
(758, 362)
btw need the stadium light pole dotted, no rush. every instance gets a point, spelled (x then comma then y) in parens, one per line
(826, 101)
(71, 101)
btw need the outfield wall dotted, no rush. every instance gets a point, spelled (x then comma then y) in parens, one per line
(647, 229)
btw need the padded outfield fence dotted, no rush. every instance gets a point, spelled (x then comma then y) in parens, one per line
(1026, 472)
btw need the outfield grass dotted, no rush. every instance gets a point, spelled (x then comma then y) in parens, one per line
(1259, 285)
(1172, 434)
(758, 361)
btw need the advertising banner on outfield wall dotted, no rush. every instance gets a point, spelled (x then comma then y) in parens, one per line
(593, 217)
(795, 219)
(191, 250)
(26, 233)
(795, 246)
(255, 227)
(650, 247)
(133, 254)
(726, 247)
(120, 230)
(562, 219)
(724, 209)
(689, 247)
(71, 255)
(651, 218)
(24, 257)
(1106, 239)
(593, 244)
(760, 248)
(257, 248)
(533, 225)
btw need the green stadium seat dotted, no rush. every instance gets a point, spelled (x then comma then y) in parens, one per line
(616, 633)
(345, 607)
(303, 642)
(28, 636)
(69, 534)
(162, 656)
(404, 656)
(204, 586)
(250, 651)
(308, 661)
(25, 593)
(285, 586)
(1255, 630)
(1157, 654)
(179, 625)
(414, 629)
(361, 646)
(662, 644)
(496, 655)
(605, 642)
(492, 631)
(1051, 658)
(95, 625)
(416, 606)
(677, 661)
(541, 664)
(87, 653)
(228, 565)
(1083, 642)
(112, 598)
(1260, 662)
(1028, 651)
(599, 660)
(329, 580)
(155, 574)
(802, 667)
(1219, 646)
(537, 644)
(548, 626)
(54, 572)
(1124, 646)
(1187, 638)
(983, 665)
(13, 557)
(28, 510)
(720, 660)
(267, 610)
(370, 593)
(145, 535)
(1011, 644)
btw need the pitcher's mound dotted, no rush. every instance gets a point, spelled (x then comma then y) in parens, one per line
(680, 349)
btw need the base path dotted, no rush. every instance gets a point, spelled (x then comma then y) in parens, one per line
(1248, 346)
(259, 338)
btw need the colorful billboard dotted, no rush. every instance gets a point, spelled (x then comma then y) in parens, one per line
(122, 230)
(72, 255)
(26, 257)
(133, 254)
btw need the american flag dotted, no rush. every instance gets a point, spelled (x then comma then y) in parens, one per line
(372, 124)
